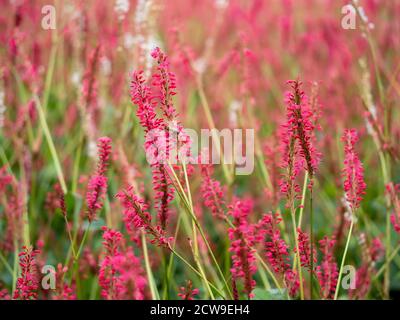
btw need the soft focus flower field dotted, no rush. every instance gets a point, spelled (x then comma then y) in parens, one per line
(85, 215)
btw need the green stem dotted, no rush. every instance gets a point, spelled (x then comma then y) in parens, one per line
(70, 236)
(296, 240)
(76, 259)
(196, 254)
(344, 258)
(50, 143)
(195, 271)
(386, 282)
(263, 277)
(278, 285)
(303, 198)
(49, 75)
(171, 260)
(387, 262)
(16, 267)
(153, 287)
(211, 123)
(182, 194)
(83, 241)
(75, 172)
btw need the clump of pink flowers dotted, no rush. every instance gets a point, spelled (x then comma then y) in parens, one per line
(277, 252)
(107, 273)
(28, 281)
(63, 290)
(327, 271)
(164, 135)
(276, 249)
(121, 275)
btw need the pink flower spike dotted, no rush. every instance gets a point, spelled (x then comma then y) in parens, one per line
(297, 141)
(104, 147)
(188, 292)
(277, 252)
(136, 216)
(327, 271)
(28, 282)
(242, 240)
(212, 192)
(353, 172)
(301, 119)
(97, 185)
(305, 250)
